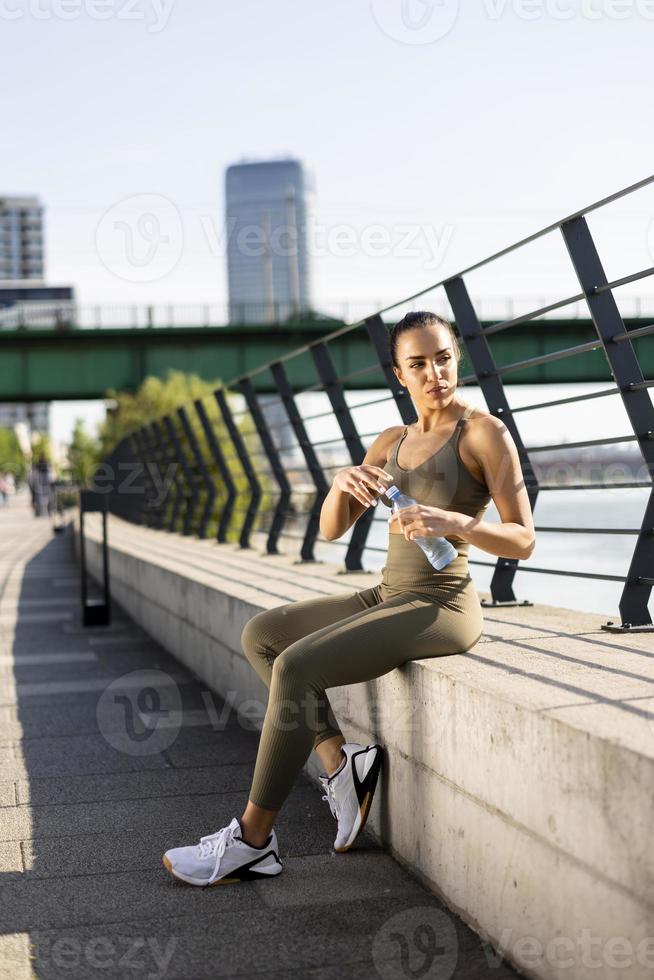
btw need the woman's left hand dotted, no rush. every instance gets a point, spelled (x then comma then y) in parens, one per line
(421, 521)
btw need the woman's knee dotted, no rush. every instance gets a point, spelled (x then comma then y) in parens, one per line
(253, 634)
(291, 666)
(296, 694)
(261, 635)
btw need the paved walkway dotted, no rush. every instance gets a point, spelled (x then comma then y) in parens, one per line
(88, 804)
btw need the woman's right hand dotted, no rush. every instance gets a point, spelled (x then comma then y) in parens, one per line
(358, 479)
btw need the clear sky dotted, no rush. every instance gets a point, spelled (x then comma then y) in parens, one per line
(455, 129)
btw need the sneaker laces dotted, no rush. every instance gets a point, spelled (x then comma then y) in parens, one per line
(331, 799)
(215, 844)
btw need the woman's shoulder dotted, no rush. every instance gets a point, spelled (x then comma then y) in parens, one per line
(380, 449)
(477, 413)
(482, 441)
(390, 436)
(483, 421)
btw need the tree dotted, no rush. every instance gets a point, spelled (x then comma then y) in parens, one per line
(157, 398)
(12, 457)
(84, 454)
(154, 399)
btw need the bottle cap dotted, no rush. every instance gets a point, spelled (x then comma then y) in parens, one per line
(392, 492)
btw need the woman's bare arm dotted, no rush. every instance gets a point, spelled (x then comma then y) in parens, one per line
(515, 536)
(340, 509)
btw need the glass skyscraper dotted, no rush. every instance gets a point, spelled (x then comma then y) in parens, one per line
(266, 215)
(21, 238)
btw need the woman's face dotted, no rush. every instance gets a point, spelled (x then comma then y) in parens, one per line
(426, 359)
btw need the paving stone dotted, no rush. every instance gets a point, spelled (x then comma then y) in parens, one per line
(7, 793)
(253, 942)
(71, 754)
(141, 784)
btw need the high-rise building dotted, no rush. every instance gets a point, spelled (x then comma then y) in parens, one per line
(267, 206)
(21, 238)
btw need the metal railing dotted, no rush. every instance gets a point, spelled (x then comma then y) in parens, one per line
(64, 315)
(215, 469)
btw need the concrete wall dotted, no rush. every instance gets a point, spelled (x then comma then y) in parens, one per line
(519, 777)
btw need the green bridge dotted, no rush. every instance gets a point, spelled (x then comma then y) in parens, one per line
(51, 364)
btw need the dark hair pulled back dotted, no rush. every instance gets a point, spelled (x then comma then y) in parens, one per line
(421, 318)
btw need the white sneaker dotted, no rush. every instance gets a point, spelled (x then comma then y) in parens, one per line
(223, 858)
(350, 790)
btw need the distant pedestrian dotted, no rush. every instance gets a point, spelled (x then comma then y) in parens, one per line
(4, 490)
(40, 482)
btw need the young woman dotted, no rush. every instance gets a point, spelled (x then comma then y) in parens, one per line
(452, 460)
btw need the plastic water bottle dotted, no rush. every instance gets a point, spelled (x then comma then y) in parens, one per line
(440, 552)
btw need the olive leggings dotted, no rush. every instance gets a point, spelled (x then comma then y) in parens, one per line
(302, 648)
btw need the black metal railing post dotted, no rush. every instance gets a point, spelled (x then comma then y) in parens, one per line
(283, 503)
(95, 612)
(637, 403)
(158, 469)
(244, 459)
(202, 469)
(168, 466)
(483, 364)
(149, 488)
(315, 469)
(221, 463)
(334, 391)
(127, 491)
(190, 489)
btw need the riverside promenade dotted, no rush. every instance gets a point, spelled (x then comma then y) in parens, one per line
(88, 804)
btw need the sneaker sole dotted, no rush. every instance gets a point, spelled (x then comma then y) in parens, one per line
(247, 875)
(370, 782)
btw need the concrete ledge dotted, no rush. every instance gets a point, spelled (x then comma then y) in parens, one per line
(519, 783)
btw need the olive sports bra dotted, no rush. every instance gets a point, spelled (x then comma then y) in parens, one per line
(442, 480)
